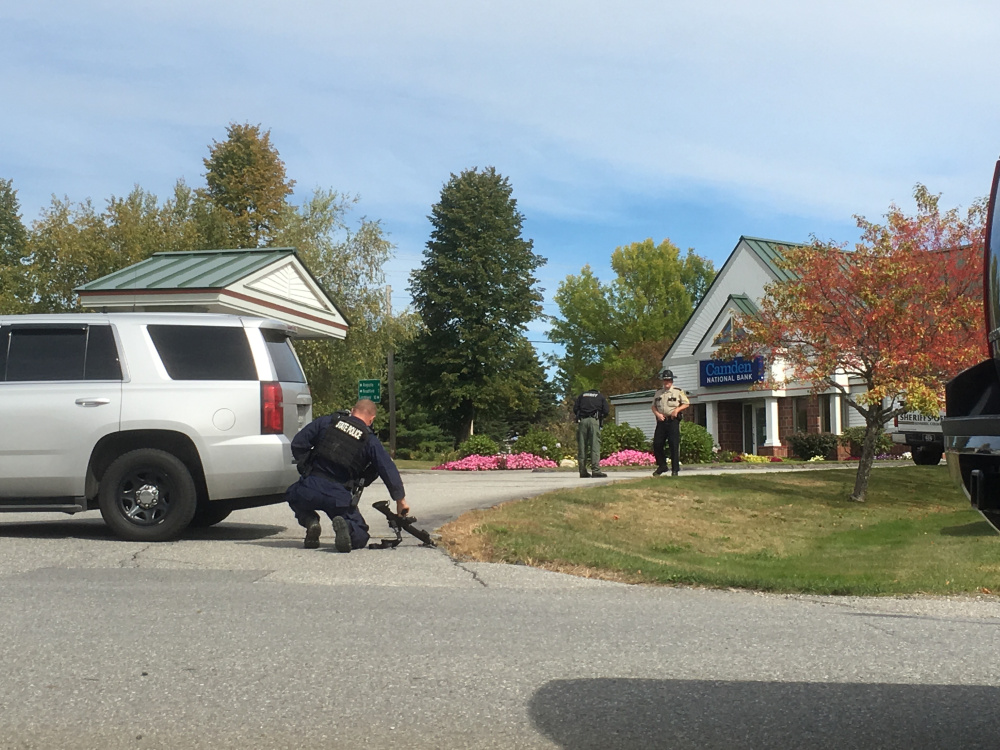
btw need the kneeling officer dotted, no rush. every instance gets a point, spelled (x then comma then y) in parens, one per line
(338, 456)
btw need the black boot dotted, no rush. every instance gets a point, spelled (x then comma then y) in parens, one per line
(598, 474)
(584, 474)
(312, 535)
(342, 539)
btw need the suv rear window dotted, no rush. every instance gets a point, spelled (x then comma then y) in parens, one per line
(279, 346)
(204, 352)
(49, 353)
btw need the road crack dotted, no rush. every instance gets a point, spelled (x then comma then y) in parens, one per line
(132, 561)
(475, 576)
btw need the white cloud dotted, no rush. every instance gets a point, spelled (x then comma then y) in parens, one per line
(810, 109)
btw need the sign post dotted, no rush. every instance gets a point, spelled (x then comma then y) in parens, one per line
(370, 389)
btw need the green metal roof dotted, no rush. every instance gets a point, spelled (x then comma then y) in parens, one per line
(744, 304)
(195, 269)
(770, 251)
(634, 395)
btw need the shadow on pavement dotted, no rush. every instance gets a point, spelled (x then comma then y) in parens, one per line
(95, 528)
(702, 715)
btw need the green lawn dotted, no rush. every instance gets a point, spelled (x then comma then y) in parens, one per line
(788, 532)
(405, 463)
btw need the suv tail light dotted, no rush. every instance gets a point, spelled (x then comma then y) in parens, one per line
(272, 412)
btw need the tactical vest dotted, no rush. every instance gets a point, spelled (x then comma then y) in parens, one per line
(342, 446)
(590, 404)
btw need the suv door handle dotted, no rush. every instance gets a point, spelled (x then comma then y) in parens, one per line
(92, 401)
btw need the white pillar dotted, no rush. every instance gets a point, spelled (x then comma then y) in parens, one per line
(771, 424)
(835, 426)
(712, 420)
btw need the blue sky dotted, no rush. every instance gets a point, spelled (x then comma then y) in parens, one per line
(614, 122)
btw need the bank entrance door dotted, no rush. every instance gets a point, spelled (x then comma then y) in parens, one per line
(754, 427)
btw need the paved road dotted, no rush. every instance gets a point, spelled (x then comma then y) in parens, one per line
(237, 637)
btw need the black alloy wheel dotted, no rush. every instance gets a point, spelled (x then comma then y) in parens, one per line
(147, 495)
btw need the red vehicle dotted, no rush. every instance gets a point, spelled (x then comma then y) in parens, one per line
(971, 425)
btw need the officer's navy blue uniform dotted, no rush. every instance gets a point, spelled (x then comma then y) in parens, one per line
(322, 486)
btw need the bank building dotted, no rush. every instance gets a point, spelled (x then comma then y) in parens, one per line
(740, 417)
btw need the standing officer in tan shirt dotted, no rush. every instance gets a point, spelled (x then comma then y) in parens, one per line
(668, 403)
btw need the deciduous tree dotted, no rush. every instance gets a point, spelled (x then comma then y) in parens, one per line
(901, 312)
(607, 329)
(347, 259)
(247, 186)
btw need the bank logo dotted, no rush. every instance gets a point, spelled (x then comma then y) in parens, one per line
(730, 371)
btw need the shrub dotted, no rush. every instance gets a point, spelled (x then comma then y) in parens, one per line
(539, 443)
(805, 445)
(854, 437)
(622, 437)
(478, 445)
(696, 444)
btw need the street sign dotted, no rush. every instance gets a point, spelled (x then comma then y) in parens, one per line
(370, 389)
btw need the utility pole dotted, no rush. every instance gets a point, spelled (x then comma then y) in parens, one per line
(392, 381)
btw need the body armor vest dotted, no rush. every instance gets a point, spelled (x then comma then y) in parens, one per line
(342, 447)
(590, 404)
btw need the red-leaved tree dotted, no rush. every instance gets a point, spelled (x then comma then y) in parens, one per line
(902, 312)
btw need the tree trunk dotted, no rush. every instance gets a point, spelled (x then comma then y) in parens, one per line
(468, 418)
(872, 431)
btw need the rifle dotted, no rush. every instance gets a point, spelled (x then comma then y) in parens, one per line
(399, 524)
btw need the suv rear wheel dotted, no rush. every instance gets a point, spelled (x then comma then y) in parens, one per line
(926, 456)
(147, 495)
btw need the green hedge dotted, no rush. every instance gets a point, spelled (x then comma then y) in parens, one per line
(854, 438)
(621, 437)
(806, 445)
(696, 444)
(478, 445)
(540, 443)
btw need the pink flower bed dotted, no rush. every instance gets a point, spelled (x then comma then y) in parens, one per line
(492, 463)
(629, 458)
(528, 461)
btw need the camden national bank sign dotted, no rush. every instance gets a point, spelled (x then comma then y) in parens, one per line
(730, 371)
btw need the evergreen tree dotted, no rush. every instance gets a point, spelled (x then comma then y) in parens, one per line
(475, 292)
(13, 247)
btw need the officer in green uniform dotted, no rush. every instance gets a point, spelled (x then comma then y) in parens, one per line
(668, 403)
(590, 409)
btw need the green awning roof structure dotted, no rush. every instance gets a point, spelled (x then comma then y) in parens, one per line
(770, 251)
(261, 282)
(743, 303)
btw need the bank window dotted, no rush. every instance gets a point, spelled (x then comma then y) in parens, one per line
(726, 334)
(825, 404)
(800, 413)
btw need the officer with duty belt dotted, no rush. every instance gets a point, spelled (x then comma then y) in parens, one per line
(668, 403)
(590, 409)
(338, 455)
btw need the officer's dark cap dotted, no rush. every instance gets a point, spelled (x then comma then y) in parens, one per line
(667, 375)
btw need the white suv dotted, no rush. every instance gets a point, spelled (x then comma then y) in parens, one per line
(161, 420)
